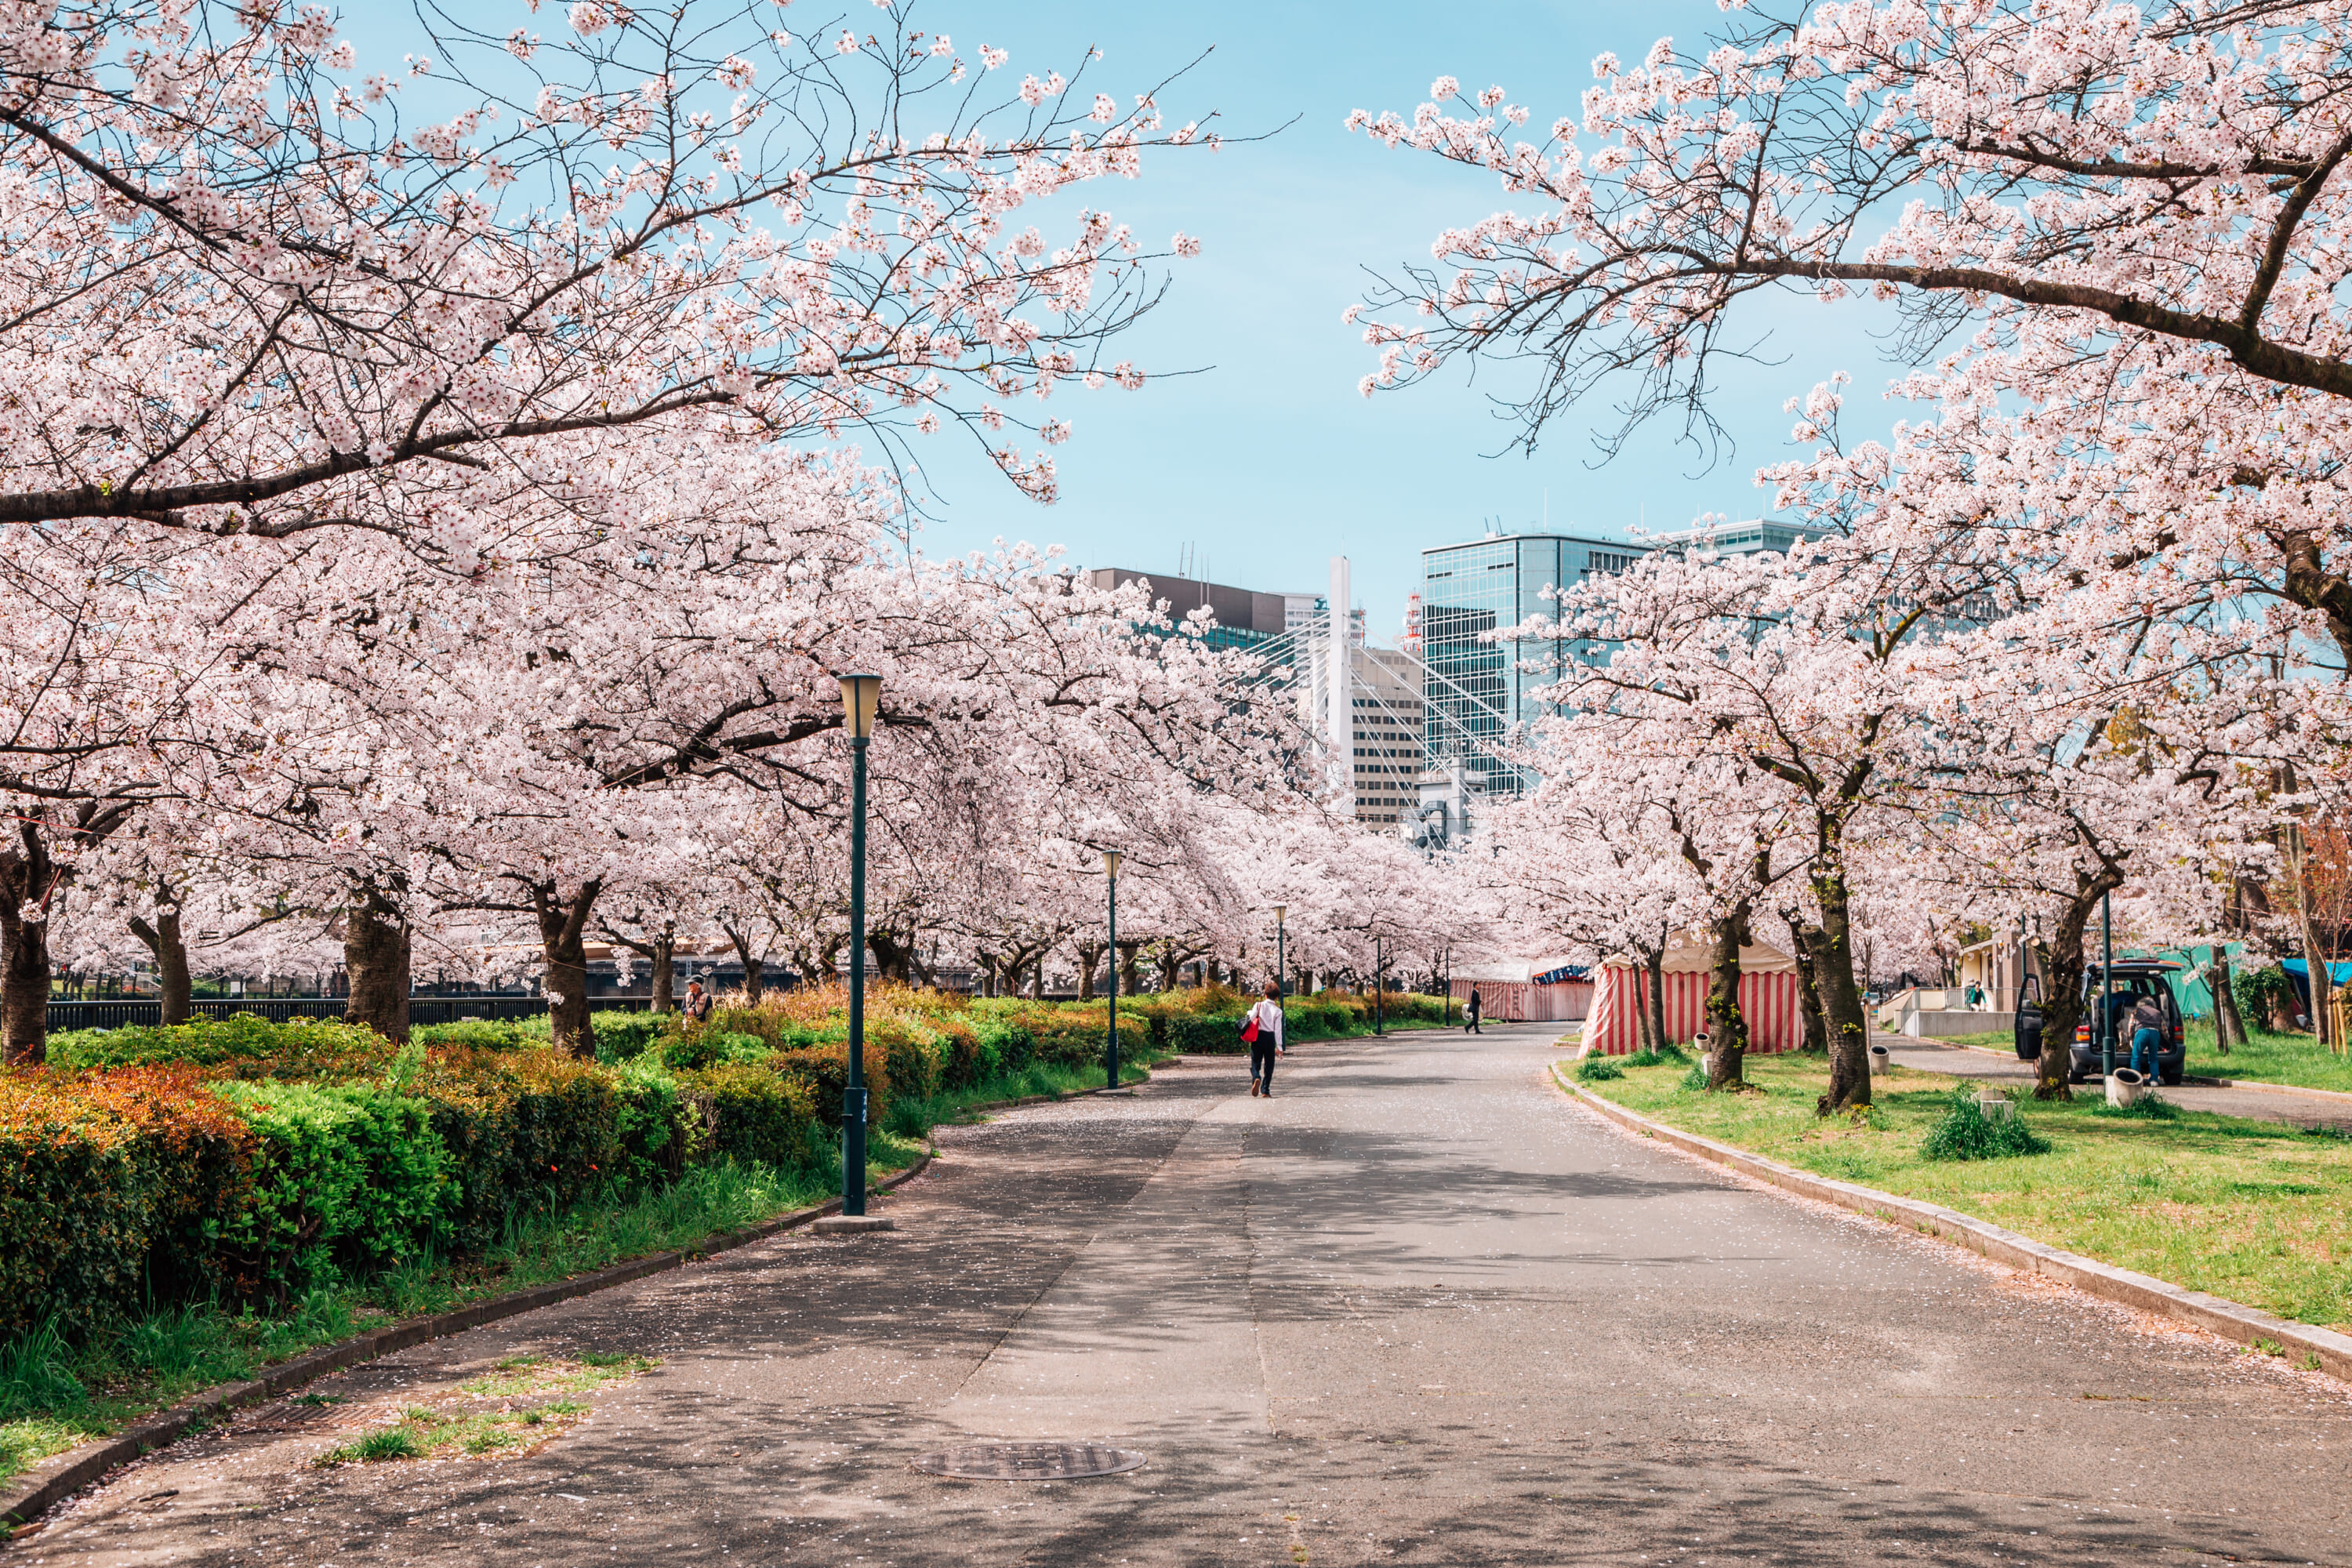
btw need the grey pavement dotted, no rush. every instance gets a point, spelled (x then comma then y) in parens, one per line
(2255, 1104)
(1418, 1309)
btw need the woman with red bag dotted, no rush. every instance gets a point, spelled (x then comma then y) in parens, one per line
(1262, 1030)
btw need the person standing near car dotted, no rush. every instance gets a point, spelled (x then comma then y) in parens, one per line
(1263, 1027)
(2146, 1022)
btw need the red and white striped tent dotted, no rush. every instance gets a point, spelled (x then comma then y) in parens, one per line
(1768, 998)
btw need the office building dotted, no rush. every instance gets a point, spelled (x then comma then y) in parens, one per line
(1478, 691)
(1752, 537)
(1245, 618)
(1389, 733)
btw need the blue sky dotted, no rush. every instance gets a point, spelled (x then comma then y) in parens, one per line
(1268, 462)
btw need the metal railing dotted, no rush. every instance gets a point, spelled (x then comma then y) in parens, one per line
(114, 1015)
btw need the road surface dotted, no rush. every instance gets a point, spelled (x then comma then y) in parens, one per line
(1417, 1309)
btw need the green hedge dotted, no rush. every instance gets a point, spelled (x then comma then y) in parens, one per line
(345, 1176)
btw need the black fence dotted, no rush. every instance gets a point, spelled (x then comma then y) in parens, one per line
(64, 1015)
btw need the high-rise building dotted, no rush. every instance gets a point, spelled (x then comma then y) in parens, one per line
(1245, 618)
(1389, 733)
(1477, 691)
(1748, 538)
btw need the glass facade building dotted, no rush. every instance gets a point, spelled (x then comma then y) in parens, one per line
(1478, 691)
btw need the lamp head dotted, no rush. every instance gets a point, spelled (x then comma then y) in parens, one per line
(861, 696)
(1278, 909)
(1111, 858)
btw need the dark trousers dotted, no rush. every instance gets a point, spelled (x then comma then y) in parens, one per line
(1262, 1060)
(1472, 1026)
(2146, 1044)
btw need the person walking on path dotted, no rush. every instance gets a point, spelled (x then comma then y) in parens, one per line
(2147, 1032)
(1472, 1011)
(1266, 1042)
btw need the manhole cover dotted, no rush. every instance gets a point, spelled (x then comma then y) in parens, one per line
(1029, 1462)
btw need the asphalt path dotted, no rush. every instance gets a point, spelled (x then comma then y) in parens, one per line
(1417, 1309)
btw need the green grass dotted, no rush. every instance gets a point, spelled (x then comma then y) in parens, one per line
(2254, 1211)
(463, 1422)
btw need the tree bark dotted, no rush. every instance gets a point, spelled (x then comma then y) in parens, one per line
(1128, 985)
(1809, 991)
(164, 940)
(2062, 968)
(377, 949)
(1841, 1013)
(563, 935)
(664, 961)
(2229, 1029)
(1089, 953)
(1727, 1027)
(28, 876)
(1653, 1010)
(755, 971)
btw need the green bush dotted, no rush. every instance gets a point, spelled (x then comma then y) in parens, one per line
(243, 1045)
(2253, 988)
(1964, 1133)
(695, 1049)
(1205, 1037)
(107, 1180)
(758, 1115)
(345, 1177)
(620, 1036)
(825, 1070)
(1593, 1070)
(527, 1132)
(482, 1034)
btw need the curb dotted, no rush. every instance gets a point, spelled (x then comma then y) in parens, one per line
(51, 1481)
(2254, 1085)
(2228, 1318)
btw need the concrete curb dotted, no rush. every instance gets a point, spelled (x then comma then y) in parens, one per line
(2228, 1318)
(52, 1480)
(2255, 1084)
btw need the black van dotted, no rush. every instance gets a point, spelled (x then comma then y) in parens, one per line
(2135, 978)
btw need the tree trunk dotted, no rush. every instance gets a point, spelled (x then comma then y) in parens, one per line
(755, 971)
(377, 949)
(2229, 1029)
(665, 963)
(2062, 998)
(164, 940)
(28, 876)
(1727, 1027)
(1128, 985)
(1089, 953)
(1809, 991)
(1847, 1026)
(1654, 1011)
(563, 935)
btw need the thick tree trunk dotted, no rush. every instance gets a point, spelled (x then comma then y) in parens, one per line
(28, 876)
(1848, 1026)
(2061, 1001)
(1809, 991)
(563, 935)
(377, 950)
(1727, 1026)
(1089, 954)
(1653, 1011)
(164, 942)
(1128, 985)
(2229, 1029)
(665, 963)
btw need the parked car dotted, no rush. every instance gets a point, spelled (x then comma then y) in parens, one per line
(2135, 978)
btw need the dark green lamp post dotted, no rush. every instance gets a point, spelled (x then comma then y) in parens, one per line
(1110, 1050)
(1281, 958)
(861, 695)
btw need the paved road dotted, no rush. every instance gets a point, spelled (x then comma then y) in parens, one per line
(1416, 1310)
(2257, 1104)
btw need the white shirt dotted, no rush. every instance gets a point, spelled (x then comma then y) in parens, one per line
(1269, 1018)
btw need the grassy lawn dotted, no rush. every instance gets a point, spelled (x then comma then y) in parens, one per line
(2254, 1211)
(2293, 1059)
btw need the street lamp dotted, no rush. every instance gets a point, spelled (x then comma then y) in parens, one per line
(1111, 1053)
(1281, 958)
(860, 696)
(1379, 1019)
(2106, 992)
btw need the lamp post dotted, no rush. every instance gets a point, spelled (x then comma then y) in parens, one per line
(1110, 1052)
(1380, 1018)
(1281, 958)
(2107, 991)
(860, 696)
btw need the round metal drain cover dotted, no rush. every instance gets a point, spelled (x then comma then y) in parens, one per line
(1029, 1462)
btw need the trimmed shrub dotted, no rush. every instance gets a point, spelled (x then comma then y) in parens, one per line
(344, 1177)
(1964, 1133)
(1206, 1036)
(243, 1045)
(825, 1070)
(482, 1034)
(914, 1062)
(759, 1115)
(620, 1036)
(106, 1183)
(527, 1131)
(699, 1048)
